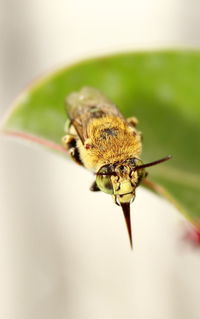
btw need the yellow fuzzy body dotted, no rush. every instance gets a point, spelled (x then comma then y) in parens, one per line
(110, 139)
(103, 136)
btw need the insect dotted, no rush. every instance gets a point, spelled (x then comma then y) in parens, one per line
(103, 141)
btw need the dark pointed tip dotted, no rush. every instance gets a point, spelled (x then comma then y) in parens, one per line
(127, 216)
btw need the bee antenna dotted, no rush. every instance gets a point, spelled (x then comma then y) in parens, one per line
(166, 158)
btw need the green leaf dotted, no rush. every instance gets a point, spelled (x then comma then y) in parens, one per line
(160, 88)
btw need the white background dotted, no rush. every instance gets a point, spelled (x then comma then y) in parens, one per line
(64, 251)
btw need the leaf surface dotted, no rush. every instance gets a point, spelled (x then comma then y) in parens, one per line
(160, 88)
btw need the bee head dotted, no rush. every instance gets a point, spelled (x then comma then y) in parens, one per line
(120, 179)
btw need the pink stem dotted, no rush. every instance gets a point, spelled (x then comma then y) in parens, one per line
(35, 139)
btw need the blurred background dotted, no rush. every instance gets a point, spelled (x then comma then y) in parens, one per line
(65, 253)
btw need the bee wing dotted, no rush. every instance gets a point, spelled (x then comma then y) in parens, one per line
(86, 105)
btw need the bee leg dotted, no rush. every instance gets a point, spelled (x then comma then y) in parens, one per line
(94, 187)
(133, 121)
(74, 153)
(141, 136)
(67, 126)
(115, 200)
(70, 142)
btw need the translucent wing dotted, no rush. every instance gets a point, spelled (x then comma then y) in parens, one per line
(85, 105)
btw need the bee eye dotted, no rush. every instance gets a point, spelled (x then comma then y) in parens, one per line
(104, 183)
(134, 162)
(138, 162)
(103, 179)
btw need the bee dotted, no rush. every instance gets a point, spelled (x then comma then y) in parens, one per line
(99, 138)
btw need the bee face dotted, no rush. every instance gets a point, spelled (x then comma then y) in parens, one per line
(120, 179)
